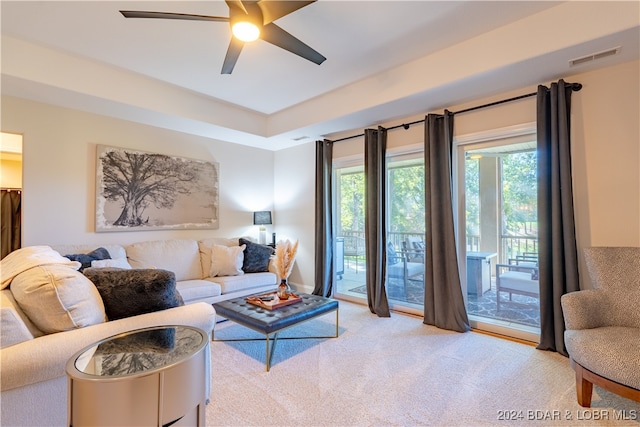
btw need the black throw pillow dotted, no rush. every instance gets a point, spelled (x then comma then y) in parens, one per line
(256, 256)
(85, 259)
(127, 293)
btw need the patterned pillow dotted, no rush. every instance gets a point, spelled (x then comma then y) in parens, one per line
(256, 256)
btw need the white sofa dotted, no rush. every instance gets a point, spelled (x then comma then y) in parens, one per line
(191, 261)
(33, 380)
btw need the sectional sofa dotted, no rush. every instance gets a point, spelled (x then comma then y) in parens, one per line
(207, 270)
(49, 310)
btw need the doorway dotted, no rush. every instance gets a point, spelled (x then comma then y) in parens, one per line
(11, 192)
(497, 188)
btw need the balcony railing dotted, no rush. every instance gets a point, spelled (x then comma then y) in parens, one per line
(510, 246)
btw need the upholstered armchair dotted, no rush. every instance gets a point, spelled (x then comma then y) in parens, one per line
(602, 333)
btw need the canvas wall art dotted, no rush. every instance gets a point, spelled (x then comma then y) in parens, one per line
(138, 190)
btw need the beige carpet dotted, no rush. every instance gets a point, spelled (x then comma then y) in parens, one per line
(397, 372)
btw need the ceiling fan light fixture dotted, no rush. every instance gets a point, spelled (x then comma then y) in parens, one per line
(245, 31)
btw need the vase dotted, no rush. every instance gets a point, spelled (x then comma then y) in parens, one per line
(283, 289)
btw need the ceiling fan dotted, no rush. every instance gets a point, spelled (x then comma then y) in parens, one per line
(249, 20)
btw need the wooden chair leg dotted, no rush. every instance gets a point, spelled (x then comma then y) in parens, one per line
(584, 388)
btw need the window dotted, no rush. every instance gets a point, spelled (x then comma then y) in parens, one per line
(405, 213)
(498, 230)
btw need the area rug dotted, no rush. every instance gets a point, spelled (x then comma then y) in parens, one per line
(521, 309)
(397, 372)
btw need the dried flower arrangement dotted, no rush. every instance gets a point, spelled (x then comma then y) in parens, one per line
(284, 258)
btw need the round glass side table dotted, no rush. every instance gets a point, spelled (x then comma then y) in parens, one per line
(151, 377)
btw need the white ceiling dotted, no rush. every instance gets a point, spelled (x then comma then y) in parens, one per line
(385, 60)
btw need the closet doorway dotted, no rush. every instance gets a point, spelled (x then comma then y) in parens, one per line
(11, 197)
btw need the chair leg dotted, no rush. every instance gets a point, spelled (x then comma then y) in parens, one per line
(584, 388)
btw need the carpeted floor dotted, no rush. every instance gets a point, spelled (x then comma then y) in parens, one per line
(521, 309)
(397, 372)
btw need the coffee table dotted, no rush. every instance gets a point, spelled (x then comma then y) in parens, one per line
(271, 322)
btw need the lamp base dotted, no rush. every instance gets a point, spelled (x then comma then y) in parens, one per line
(263, 236)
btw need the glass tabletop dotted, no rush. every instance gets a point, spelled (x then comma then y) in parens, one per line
(140, 351)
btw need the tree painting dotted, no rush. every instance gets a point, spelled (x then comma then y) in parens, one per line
(139, 190)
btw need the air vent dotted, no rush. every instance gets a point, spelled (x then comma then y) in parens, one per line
(594, 56)
(300, 138)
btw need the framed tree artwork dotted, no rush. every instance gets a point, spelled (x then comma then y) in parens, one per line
(137, 190)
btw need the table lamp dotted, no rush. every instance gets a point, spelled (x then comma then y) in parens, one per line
(262, 218)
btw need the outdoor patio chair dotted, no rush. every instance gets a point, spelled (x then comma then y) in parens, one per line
(399, 266)
(414, 247)
(354, 248)
(519, 276)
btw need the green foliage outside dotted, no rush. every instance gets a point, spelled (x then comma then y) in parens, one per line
(352, 201)
(406, 197)
(520, 194)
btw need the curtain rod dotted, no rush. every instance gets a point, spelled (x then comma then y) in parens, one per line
(573, 86)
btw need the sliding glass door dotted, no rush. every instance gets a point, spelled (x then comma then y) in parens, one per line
(497, 179)
(349, 206)
(405, 213)
(405, 249)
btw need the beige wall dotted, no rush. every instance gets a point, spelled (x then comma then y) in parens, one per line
(59, 157)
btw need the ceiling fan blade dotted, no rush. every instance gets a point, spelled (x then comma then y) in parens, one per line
(169, 15)
(272, 10)
(233, 52)
(277, 36)
(237, 5)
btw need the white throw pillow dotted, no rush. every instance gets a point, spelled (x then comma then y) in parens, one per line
(227, 261)
(57, 298)
(114, 263)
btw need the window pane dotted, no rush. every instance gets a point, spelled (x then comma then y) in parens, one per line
(405, 254)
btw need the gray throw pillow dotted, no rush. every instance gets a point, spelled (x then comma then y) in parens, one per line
(85, 259)
(256, 256)
(127, 293)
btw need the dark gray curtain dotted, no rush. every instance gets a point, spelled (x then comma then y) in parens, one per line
(324, 220)
(558, 261)
(443, 300)
(375, 221)
(10, 208)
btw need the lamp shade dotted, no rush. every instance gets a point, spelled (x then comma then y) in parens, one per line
(262, 217)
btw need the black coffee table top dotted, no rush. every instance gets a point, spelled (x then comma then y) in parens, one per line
(270, 321)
